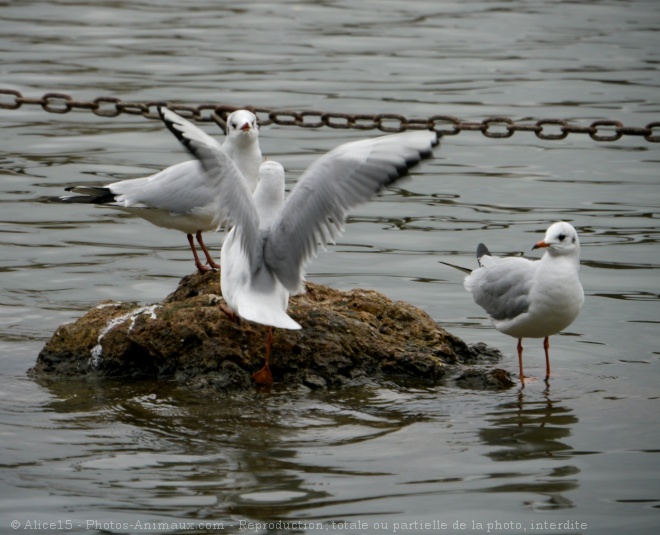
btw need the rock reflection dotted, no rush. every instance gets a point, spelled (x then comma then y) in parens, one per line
(240, 456)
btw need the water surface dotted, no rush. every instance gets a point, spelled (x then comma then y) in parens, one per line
(116, 456)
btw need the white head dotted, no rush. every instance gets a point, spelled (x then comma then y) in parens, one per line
(242, 124)
(269, 195)
(561, 239)
(272, 173)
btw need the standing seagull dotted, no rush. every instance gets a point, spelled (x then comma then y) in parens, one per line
(531, 299)
(182, 197)
(272, 239)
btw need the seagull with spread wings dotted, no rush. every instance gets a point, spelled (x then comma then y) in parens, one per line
(271, 239)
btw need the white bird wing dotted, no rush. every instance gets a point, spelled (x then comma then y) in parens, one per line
(502, 286)
(315, 211)
(236, 204)
(179, 189)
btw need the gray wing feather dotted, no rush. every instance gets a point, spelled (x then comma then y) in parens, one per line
(502, 286)
(178, 189)
(315, 211)
(236, 204)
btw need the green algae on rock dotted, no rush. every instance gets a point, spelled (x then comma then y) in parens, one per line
(347, 337)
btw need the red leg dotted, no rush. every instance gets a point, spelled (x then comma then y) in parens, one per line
(546, 346)
(263, 376)
(520, 362)
(209, 258)
(230, 313)
(200, 267)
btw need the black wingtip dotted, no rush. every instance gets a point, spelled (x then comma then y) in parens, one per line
(428, 152)
(436, 140)
(86, 195)
(83, 199)
(403, 169)
(167, 122)
(482, 250)
(459, 268)
(171, 126)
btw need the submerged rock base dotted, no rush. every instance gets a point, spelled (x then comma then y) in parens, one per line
(347, 337)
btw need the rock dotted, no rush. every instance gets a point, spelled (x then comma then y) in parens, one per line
(347, 338)
(485, 379)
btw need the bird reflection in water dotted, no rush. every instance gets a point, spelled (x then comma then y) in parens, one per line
(533, 430)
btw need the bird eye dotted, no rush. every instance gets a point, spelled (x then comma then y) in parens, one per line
(562, 237)
(234, 125)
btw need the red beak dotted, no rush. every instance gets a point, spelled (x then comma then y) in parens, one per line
(245, 127)
(540, 244)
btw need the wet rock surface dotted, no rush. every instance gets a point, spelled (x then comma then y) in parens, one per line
(347, 338)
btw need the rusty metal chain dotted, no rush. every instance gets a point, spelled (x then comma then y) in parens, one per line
(444, 125)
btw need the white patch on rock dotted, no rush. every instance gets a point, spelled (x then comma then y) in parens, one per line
(97, 351)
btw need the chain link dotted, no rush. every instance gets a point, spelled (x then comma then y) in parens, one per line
(444, 125)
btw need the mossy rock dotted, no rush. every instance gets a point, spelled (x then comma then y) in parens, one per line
(347, 337)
